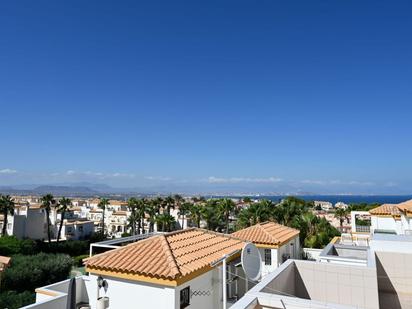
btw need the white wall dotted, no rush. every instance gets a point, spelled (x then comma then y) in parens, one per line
(292, 247)
(129, 294)
(206, 292)
(208, 285)
(386, 223)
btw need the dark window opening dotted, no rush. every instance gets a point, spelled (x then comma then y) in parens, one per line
(268, 257)
(185, 297)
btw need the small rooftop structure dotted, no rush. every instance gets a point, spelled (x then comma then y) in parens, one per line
(267, 233)
(386, 210)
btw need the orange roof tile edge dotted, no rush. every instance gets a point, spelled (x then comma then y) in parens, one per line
(261, 233)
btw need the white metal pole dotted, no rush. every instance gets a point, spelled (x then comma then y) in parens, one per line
(224, 282)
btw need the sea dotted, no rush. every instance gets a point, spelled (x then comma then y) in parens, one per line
(347, 199)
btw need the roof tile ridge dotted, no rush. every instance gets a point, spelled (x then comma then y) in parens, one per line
(169, 253)
(268, 234)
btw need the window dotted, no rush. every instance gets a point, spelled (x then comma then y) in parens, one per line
(268, 257)
(185, 297)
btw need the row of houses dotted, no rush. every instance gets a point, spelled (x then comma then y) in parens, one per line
(182, 270)
(175, 270)
(80, 221)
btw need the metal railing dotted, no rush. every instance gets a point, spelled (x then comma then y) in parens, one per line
(363, 228)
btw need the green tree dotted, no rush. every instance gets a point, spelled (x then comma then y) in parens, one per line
(340, 214)
(166, 221)
(104, 202)
(142, 207)
(184, 210)
(289, 208)
(209, 213)
(196, 214)
(132, 220)
(47, 201)
(225, 208)
(152, 209)
(169, 203)
(6, 208)
(62, 208)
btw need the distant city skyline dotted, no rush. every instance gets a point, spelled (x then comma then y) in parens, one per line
(261, 96)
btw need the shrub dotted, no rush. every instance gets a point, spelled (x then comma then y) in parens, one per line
(14, 300)
(32, 271)
(10, 245)
(70, 247)
(78, 260)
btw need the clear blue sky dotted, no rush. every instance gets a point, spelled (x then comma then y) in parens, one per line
(271, 95)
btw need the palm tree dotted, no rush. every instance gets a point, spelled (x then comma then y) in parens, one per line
(141, 211)
(104, 202)
(340, 214)
(226, 207)
(209, 213)
(132, 205)
(169, 202)
(152, 209)
(166, 221)
(247, 200)
(196, 214)
(184, 211)
(47, 201)
(6, 208)
(132, 220)
(63, 206)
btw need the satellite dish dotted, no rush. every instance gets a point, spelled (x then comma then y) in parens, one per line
(251, 261)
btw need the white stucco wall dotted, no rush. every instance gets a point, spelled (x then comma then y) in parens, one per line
(292, 247)
(36, 224)
(128, 294)
(386, 223)
(206, 292)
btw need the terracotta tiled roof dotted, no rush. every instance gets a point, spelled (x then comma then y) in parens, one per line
(386, 210)
(78, 222)
(267, 233)
(4, 260)
(97, 210)
(116, 202)
(167, 256)
(35, 206)
(406, 206)
(119, 213)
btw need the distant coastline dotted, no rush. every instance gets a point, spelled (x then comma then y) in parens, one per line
(348, 199)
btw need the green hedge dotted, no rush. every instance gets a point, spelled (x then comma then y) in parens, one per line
(78, 260)
(70, 247)
(10, 245)
(32, 271)
(14, 300)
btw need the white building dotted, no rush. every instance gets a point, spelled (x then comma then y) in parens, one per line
(326, 206)
(388, 218)
(341, 205)
(168, 271)
(117, 223)
(77, 229)
(27, 222)
(276, 243)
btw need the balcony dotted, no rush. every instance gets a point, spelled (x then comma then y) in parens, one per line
(54, 296)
